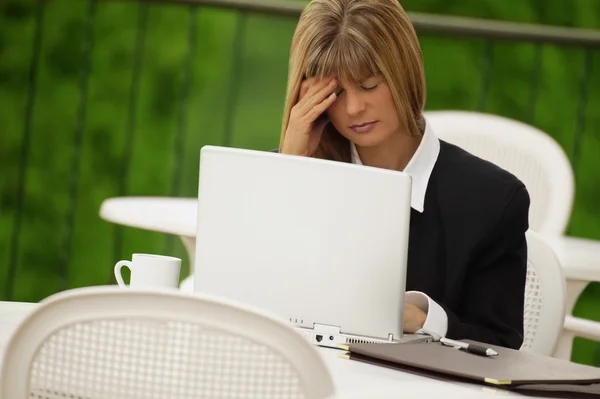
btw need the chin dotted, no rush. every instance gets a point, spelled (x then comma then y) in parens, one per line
(371, 139)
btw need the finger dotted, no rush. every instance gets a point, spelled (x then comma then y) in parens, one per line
(321, 107)
(317, 94)
(306, 84)
(321, 89)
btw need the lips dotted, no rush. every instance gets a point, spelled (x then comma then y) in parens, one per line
(363, 127)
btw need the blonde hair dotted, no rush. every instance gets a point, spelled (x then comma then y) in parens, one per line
(357, 39)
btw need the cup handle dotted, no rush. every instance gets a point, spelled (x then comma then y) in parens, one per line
(118, 275)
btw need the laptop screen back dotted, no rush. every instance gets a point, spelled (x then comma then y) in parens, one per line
(312, 241)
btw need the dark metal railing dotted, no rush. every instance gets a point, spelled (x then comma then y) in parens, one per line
(425, 23)
(25, 146)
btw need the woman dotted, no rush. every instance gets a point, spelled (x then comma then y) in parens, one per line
(356, 93)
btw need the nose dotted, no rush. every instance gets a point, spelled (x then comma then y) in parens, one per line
(354, 103)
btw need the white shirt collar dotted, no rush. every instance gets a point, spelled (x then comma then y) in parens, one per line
(419, 167)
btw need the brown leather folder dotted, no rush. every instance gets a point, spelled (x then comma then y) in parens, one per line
(510, 369)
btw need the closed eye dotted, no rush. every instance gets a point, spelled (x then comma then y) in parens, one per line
(368, 88)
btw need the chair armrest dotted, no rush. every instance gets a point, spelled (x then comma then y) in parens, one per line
(579, 257)
(583, 328)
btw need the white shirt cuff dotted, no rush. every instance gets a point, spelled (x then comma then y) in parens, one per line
(436, 323)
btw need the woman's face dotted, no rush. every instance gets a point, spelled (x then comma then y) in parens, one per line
(364, 112)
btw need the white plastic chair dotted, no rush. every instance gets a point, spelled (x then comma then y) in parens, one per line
(106, 342)
(545, 292)
(535, 158)
(525, 151)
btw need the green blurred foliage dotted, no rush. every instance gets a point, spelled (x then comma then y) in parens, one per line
(234, 97)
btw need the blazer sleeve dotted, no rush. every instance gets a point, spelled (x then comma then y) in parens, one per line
(492, 298)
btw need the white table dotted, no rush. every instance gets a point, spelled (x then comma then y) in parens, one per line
(176, 216)
(352, 379)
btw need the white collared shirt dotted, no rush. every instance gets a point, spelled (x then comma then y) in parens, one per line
(419, 168)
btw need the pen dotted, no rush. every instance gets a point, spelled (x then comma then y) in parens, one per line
(471, 348)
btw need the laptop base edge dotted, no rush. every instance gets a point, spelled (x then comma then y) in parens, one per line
(333, 339)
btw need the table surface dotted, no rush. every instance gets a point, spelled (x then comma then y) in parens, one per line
(352, 379)
(175, 216)
(579, 257)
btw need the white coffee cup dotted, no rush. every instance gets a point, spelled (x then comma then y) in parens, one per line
(150, 271)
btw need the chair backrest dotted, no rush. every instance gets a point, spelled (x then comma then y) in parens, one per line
(544, 297)
(525, 151)
(105, 342)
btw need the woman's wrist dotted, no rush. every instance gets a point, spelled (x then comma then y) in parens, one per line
(290, 151)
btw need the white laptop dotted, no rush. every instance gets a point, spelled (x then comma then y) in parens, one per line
(319, 243)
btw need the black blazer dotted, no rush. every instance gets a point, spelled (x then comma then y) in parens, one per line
(467, 250)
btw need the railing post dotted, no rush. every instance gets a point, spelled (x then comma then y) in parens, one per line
(87, 53)
(581, 107)
(535, 81)
(136, 72)
(180, 133)
(234, 80)
(488, 55)
(25, 148)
